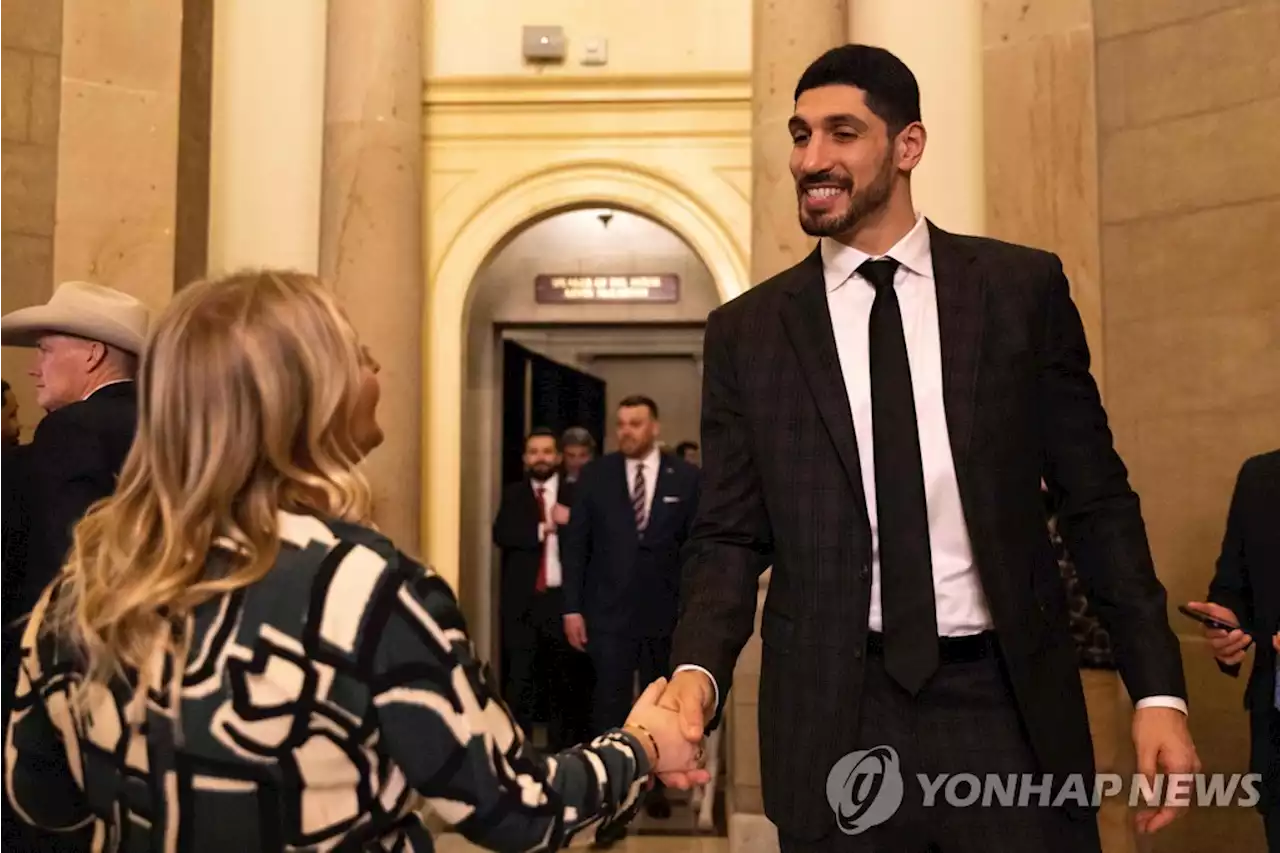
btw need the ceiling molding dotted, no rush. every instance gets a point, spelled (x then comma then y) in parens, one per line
(556, 89)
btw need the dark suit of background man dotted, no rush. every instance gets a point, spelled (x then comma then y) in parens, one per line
(630, 517)
(1246, 592)
(876, 422)
(532, 598)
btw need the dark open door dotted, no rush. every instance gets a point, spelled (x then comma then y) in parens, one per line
(539, 392)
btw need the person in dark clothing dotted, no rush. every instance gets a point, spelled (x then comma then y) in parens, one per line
(532, 598)
(87, 339)
(631, 515)
(1245, 591)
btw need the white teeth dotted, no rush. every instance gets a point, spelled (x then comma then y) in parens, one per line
(823, 192)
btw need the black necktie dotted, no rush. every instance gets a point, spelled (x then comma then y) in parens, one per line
(906, 567)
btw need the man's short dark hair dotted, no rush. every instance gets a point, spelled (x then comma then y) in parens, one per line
(538, 432)
(684, 447)
(6, 386)
(639, 400)
(891, 89)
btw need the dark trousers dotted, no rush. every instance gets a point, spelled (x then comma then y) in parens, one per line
(542, 662)
(963, 721)
(617, 659)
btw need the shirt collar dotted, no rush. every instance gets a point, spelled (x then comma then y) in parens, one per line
(913, 252)
(548, 484)
(104, 385)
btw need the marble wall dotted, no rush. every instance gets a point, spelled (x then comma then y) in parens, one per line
(32, 51)
(1189, 200)
(118, 145)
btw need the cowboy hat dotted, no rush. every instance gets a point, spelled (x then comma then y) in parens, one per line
(82, 310)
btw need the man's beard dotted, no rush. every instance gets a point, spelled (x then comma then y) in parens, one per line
(541, 472)
(862, 203)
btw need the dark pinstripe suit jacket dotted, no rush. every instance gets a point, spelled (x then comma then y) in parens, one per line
(781, 488)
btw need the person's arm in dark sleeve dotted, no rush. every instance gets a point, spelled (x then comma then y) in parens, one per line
(731, 541)
(575, 543)
(1100, 517)
(1230, 586)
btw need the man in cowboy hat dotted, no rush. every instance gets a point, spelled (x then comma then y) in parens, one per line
(87, 340)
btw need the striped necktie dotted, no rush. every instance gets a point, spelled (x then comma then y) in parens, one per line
(638, 498)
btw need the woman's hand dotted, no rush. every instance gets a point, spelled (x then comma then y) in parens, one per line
(664, 742)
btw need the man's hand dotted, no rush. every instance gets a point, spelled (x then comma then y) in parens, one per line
(1163, 745)
(575, 631)
(560, 514)
(1229, 647)
(691, 695)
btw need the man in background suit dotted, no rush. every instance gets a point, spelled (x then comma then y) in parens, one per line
(532, 598)
(630, 517)
(1246, 592)
(876, 422)
(88, 339)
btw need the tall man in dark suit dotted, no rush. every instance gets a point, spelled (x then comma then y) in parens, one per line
(630, 517)
(876, 422)
(1246, 592)
(532, 598)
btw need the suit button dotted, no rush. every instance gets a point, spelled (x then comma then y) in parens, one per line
(864, 572)
(857, 653)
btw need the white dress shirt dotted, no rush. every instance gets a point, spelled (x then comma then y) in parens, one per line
(550, 495)
(958, 596)
(650, 464)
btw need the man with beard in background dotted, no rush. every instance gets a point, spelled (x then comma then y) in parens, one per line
(539, 658)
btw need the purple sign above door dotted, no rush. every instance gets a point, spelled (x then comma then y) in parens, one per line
(607, 288)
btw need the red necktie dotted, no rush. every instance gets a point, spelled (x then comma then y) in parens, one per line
(541, 585)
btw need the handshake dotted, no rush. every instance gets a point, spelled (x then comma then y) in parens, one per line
(670, 720)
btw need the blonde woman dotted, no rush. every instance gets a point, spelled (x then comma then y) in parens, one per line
(234, 660)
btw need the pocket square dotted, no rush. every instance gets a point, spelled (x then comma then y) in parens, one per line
(670, 499)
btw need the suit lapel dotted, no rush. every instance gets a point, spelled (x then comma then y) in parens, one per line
(807, 319)
(961, 291)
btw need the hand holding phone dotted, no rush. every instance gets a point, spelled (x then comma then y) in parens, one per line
(1227, 639)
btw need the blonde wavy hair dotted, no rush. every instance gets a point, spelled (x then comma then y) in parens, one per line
(247, 395)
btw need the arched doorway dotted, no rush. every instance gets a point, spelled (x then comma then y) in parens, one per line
(713, 221)
(607, 348)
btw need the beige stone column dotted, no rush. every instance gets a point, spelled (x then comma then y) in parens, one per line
(942, 44)
(787, 35)
(118, 145)
(267, 134)
(371, 234)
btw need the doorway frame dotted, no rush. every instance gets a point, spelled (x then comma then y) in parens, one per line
(709, 230)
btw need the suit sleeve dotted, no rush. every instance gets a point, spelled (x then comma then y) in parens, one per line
(575, 544)
(511, 531)
(1101, 519)
(443, 724)
(1230, 586)
(731, 542)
